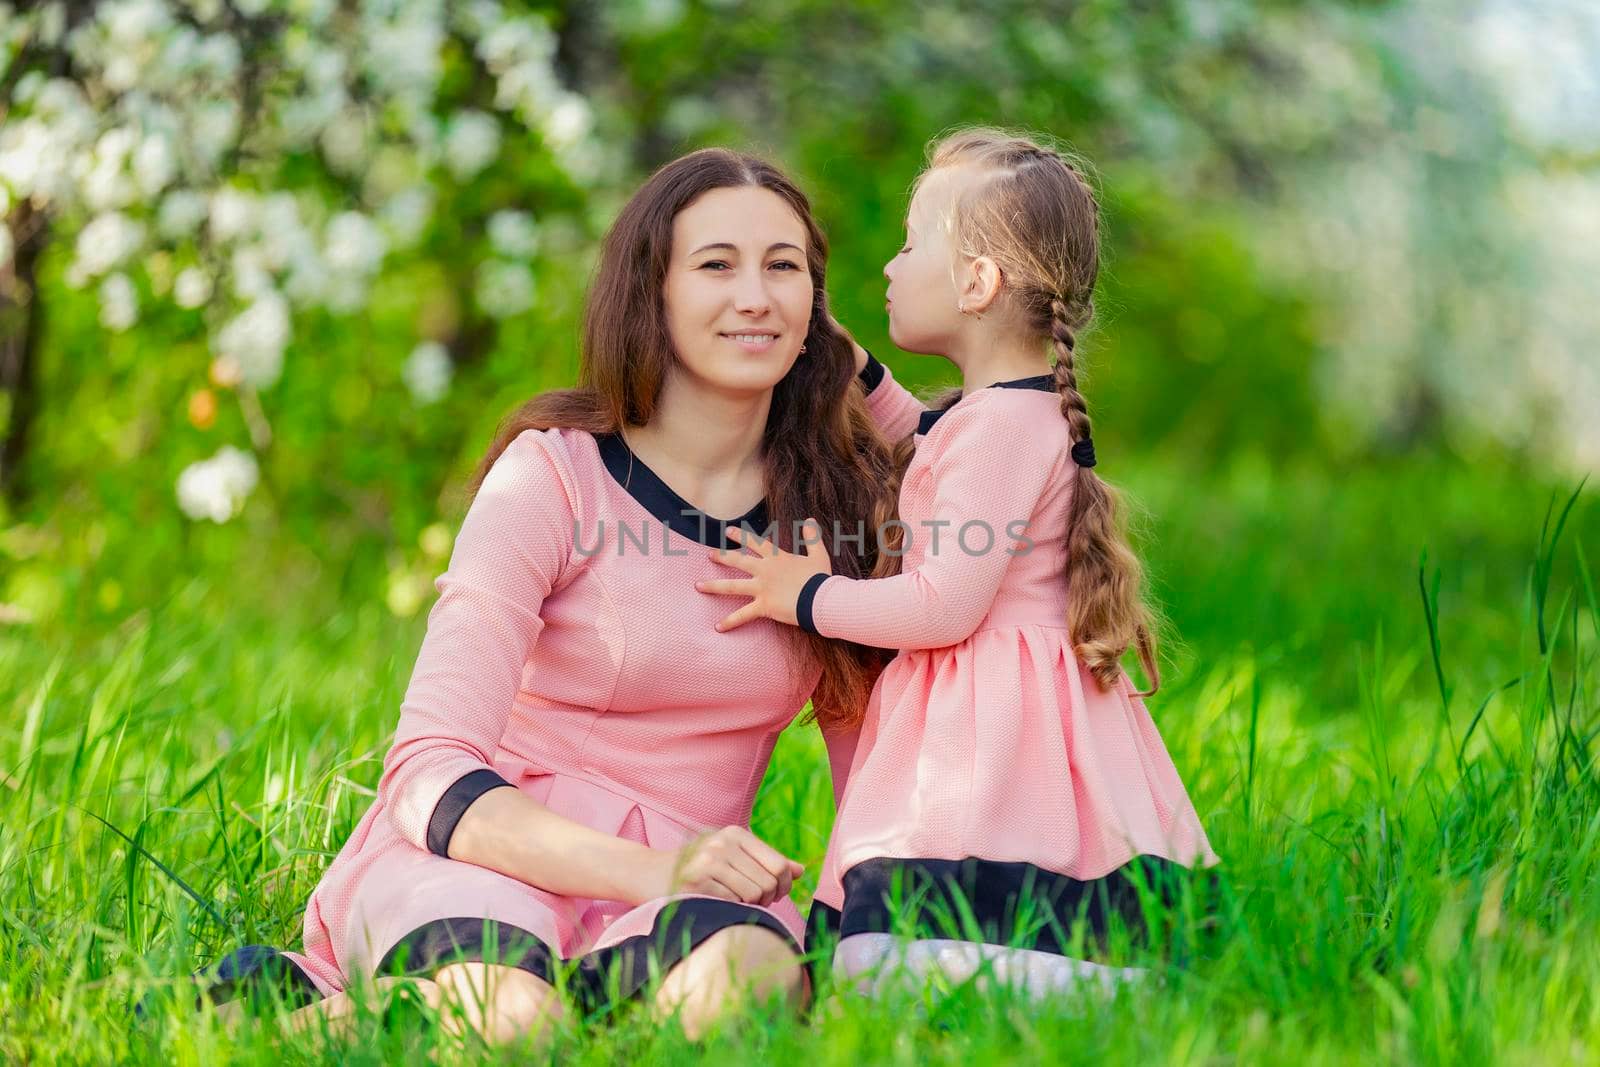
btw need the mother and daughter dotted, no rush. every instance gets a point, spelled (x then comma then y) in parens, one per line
(562, 819)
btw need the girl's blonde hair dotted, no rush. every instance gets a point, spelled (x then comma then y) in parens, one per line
(1032, 211)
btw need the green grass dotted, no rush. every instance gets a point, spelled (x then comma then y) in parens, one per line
(1393, 755)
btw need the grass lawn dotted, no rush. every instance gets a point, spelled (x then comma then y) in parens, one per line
(1395, 759)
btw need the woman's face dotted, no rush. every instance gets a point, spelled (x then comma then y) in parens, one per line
(922, 298)
(738, 291)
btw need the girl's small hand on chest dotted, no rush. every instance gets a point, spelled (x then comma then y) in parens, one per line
(776, 576)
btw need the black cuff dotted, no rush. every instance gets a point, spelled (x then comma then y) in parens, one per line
(802, 607)
(454, 804)
(872, 373)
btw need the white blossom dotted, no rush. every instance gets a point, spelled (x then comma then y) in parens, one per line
(181, 213)
(569, 121)
(215, 128)
(404, 53)
(513, 234)
(7, 245)
(154, 164)
(308, 280)
(345, 140)
(131, 23)
(472, 143)
(344, 292)
(216, 488)
(106, 183)
(119, 303)
(406, 215)
(52, 23)
(250, 274)
(191, 288)
(219, 55)
(233, 213)
(427, 372)
(354, 243)
(106, 241)
(504, 288)
(283, 238)
(255, 339)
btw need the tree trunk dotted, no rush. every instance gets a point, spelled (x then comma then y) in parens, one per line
(20, 318)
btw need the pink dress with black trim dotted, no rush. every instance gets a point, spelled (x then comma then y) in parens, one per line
(568, 656)
(990, 759)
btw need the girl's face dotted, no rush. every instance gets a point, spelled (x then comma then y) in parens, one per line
(738, 292)
(923, 295)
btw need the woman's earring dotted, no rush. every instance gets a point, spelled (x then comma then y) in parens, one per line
(802, 348)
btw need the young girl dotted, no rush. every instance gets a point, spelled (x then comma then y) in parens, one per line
(1007, 779)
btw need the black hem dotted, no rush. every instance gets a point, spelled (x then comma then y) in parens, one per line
(808, 595)
(1044, 383)
(663, 502)
(822, 937)
(461, 795)
(258, 970)
(600, 978)
(1006, 903)
(872, 374)
(440, 942)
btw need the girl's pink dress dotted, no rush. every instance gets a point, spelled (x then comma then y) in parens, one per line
(989, 759)
(569, 656)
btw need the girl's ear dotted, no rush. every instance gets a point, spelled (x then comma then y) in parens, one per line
(983, 284)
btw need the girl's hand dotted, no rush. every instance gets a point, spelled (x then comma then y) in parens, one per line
(776, 576)
(861, 353)
(732, 864)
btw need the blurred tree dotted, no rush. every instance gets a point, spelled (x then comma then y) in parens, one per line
(303, 254)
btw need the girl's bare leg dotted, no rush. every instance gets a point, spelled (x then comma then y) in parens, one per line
(870, 962)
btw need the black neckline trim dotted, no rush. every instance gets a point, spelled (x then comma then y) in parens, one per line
(1044, 383)
(660, 500)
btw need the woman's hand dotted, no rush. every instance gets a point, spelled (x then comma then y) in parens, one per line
(731, 863)
(776, 576)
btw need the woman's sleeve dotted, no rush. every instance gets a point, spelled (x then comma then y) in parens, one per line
(514, 545)
(841, 745)
(892, 405)
(989, 469)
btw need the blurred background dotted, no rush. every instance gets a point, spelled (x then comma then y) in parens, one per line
(271, 271)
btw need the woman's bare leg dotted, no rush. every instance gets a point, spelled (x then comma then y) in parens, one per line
(731, 965)
(338, 1011)
(502, 1004)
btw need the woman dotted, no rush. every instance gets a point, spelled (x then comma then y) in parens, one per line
(578, 749)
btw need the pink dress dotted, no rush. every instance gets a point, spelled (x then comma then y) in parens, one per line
(990, 761)
(569, 656)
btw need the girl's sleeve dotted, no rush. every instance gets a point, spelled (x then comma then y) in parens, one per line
(514, 545)
(892, 405)
(989, 469)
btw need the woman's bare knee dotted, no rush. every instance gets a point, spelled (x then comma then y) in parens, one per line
(500, 1003)
(339, 1011)
(730, 966)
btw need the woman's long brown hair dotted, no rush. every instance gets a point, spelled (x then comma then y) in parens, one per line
(824, 457)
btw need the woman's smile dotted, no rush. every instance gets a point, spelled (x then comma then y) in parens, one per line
(753, 341)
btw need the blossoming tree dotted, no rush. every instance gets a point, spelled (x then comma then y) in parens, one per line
(256, 164)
